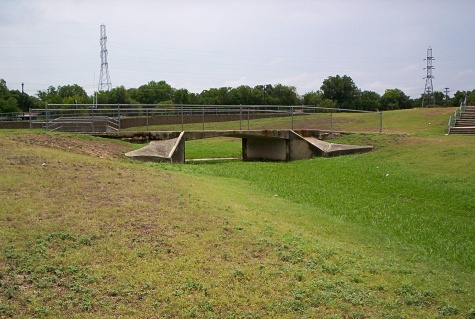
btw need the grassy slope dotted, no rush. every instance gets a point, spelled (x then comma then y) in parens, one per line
(76, 242)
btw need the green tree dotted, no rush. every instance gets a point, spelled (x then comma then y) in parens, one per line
(242, 95)
(119, 95)
(340, 89)
(4, 93)
(210, 97)
(439, 98)
(216, 96)
(72, 92)
(395, 99)
(284, 95)
(458, 98)
(9, 105)
(312, 98)
(50, 96)
(154, 92)
(257, 95)
(471, 98)
(181, 96)
(370, 101)
(327, 103)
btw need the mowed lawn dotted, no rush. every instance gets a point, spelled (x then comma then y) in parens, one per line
(386, 234)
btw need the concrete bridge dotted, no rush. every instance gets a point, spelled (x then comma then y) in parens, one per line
(257, 145)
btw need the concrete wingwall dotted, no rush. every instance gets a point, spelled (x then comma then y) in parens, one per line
(177, 154)
(301, 149)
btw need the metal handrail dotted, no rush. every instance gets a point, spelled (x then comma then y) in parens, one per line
(112, 116)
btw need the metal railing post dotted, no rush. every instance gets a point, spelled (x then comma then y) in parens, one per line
(118, 116)
(248, 118)
(47, 117)
(292, 110)
(240, 117)
(331, 120)
(381, 122)
(146, 116)
(29, 112)
(182, 119)
(203, 117)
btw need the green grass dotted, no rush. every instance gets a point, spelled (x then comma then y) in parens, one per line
(386, 234)
(220, 147)
(419, 192)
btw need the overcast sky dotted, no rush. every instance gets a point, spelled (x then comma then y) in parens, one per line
(200, 44)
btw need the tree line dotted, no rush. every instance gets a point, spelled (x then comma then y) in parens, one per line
(335, 92)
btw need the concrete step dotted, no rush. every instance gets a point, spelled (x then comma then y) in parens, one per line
(463, 130)
(469, 123)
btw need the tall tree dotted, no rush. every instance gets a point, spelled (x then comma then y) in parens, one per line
(370, 101)
(312, 98)
(9, 105)
(284, 95)
(154, 92)
(341, 89)
(395, 99)
(242, 95)
(119, 95)
(471, 98)
(4, 94)
(50, 96)
(72, 91)
(181, 96)
(459, 97)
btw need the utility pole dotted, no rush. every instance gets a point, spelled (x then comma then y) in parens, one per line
(446, 96)
(104, 78)
(428, 96)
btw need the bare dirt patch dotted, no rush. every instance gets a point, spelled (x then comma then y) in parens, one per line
(102, 148)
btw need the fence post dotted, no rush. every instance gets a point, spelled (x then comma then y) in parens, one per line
(381, 122)
(47, 117)
(248, 118)
(29, 112)
(118, 115)
(331, 120)
(203, 117)
(146, 117)
(240, 117)
(182, 119)
(292, 110)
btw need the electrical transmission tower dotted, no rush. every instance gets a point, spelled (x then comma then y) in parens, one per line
(104, 78)
(428, 96)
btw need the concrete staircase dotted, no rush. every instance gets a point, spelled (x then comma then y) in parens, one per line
(465, 124)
